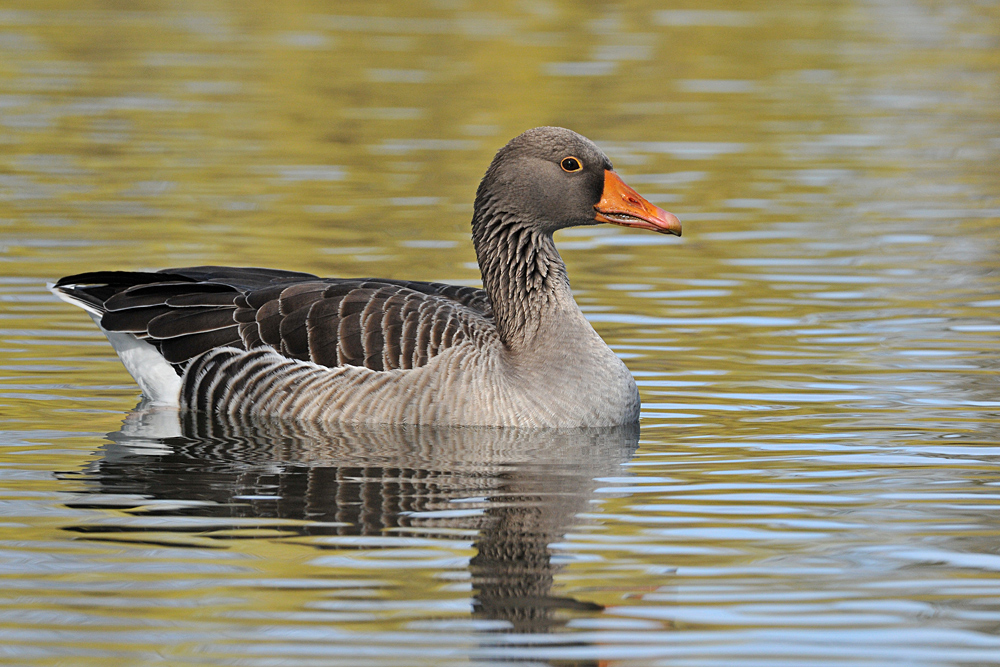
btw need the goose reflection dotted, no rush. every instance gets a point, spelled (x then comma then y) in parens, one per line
(527, 486)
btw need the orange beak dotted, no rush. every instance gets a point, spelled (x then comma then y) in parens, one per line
(621, 205)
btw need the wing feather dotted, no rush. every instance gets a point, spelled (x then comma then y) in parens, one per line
(132, 320)
(295, 334)
(351, 331)
(301, 295)
(268, 319)
(392, 330)
(425, 324)
(374, 334)
(378, 324)
(181, 349)
(227, 298)
(323, 323)
(159, 293)
(183, 321)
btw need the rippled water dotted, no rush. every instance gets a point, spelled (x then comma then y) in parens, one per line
(817, 476)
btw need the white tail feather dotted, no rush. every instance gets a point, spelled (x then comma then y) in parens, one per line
(155, 376)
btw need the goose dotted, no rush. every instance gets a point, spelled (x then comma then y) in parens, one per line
(266, 343)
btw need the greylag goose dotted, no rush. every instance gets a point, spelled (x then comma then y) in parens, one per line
(264, 342)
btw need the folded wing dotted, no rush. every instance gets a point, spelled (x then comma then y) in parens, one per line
(374, 323)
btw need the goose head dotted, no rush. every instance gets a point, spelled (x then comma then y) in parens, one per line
(550, 178)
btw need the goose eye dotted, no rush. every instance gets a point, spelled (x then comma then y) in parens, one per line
(570, 164)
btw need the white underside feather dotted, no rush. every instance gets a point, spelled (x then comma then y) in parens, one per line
(155, 376)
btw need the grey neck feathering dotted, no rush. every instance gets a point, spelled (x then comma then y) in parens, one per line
(521, 268)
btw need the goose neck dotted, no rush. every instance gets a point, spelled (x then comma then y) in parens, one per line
(523, 275)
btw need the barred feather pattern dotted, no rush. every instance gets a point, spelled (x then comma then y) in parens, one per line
(518, 352)
(255, 342)
(522, 271)
(375, 324)
(263, 382)
(455, 388)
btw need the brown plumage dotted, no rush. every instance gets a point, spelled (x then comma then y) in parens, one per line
(517, 352)
(330, 322)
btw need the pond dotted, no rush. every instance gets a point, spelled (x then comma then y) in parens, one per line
(816, 476)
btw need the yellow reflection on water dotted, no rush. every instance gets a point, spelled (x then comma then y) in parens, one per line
(817, 355)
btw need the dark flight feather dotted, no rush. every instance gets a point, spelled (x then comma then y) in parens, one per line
(378, 324)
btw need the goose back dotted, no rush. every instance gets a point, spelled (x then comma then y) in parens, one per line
(376, 324)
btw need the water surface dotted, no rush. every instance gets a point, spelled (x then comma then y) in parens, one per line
(817, 475)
